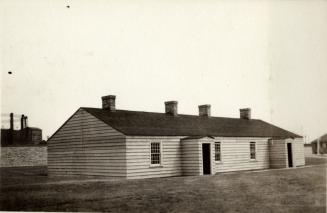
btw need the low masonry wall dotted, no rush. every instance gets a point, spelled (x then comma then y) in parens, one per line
(23, 156)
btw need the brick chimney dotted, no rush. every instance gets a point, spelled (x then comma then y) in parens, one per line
(245, 113)
(205, 110)
(171, 108)
(109, 103)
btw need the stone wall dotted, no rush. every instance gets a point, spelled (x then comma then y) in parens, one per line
(23, 156)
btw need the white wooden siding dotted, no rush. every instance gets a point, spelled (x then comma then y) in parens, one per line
(138, 157)
(87, 146)
(190, 157)
(298, 151)
(235, 154)
(278, 154)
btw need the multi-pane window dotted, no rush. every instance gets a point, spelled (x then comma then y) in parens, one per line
(155, 153)
(252, 151)
(217, 151)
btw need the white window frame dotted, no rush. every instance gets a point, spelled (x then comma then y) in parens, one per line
(255, 151)
(217, 142)
(160, 154)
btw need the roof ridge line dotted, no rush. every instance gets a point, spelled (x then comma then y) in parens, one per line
(162, 113)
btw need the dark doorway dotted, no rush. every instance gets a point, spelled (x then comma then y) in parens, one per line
(289, 154)
(206, 159)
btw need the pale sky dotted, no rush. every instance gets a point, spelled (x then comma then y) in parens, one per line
(270, 56)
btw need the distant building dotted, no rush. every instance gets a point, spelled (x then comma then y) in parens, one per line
(308, 149)
(25, 136)
(134, 144)
(322, 147)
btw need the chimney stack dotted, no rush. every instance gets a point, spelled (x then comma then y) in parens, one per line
(11, 130)
(22, 122)
(171, 108)
(205, 110)
(25, 123)
(11, 121)
(109, 103)
(245, 113)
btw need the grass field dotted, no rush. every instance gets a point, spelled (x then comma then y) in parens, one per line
(288, 190)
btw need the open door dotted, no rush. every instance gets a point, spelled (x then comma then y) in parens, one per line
(290, 155)
(206, 159)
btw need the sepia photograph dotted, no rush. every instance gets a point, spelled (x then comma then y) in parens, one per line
(163, 106)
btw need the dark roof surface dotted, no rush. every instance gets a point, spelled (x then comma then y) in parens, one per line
(160, 124)
(197, 137)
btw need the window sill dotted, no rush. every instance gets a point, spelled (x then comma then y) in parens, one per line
(218, 162)
(155, 166)
(253, 160)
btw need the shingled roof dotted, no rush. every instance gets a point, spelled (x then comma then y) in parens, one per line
(161, 124)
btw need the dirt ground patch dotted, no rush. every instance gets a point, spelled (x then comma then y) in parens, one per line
(289, 190)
